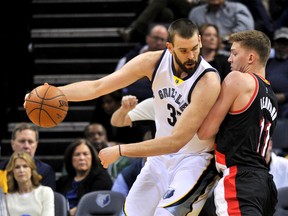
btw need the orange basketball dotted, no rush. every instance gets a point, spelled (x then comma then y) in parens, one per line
(46, 106)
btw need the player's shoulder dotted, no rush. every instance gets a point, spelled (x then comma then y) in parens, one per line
(236, 77)
(239, 80)
(149, 58)
(154, 55)
(211, 76)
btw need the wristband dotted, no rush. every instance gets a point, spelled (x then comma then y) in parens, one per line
(120, 150)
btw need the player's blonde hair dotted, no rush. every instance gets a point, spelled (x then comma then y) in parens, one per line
(254, 40)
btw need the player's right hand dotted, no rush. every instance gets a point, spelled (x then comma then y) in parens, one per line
(24, 104)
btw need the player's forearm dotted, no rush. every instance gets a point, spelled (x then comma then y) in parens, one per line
(80, 91)
(153, 147)
(120, 118)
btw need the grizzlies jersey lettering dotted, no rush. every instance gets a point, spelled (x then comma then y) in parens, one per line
(243, 135)
(172, 96)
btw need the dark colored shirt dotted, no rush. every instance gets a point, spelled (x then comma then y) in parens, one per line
(243, 135)
(277, 74)
(98, 179)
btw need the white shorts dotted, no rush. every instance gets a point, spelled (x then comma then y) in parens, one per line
(172, 185)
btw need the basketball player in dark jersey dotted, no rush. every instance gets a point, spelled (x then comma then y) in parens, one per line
(244, 118)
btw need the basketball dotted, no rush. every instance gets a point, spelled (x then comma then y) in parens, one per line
(46, 106)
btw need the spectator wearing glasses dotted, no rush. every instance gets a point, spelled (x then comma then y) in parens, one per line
(25, 137)
(155, 40)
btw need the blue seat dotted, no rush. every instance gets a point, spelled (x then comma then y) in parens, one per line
(61, 205)
(282, 205)
(103, 202)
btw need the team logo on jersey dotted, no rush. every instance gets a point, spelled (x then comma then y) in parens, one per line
(169, 193)
(103, 200)
(177, 80)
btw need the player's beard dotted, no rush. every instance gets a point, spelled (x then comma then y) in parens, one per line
(183, 65)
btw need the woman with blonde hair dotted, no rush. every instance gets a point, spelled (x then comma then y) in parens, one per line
(26, 196)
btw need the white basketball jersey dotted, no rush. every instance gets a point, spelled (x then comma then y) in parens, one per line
(172, 96)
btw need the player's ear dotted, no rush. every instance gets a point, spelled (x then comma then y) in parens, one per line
(252, 57)
(169, 47)
(200, 41)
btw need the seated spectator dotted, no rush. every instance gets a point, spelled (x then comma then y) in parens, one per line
(277, 70)
(210, 49)
(229, 17)
(84, 173)
(96, 134)
(155, 40)
(25, 137)
(26, 196)
(260, 15)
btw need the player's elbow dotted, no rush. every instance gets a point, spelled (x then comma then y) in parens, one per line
(205, 134)
(120, 122)
(116, 123)
(202, 135)
(177, 143)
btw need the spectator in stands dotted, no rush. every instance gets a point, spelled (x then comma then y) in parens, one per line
(262, 21)
(210, 49)
(229, 17)
(156, 11)
(25, 137)
(26, 196)
(105, 107)
(96, 134)
(155, 40)
(277, 70)
(84, 173)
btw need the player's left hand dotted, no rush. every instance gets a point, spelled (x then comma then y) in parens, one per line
(109, 155)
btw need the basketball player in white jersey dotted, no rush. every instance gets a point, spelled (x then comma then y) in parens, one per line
(179, 170)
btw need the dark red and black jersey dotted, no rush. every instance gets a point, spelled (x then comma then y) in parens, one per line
(243, 136)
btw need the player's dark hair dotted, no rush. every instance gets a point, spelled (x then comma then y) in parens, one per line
(69, 154)
(185, 28)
